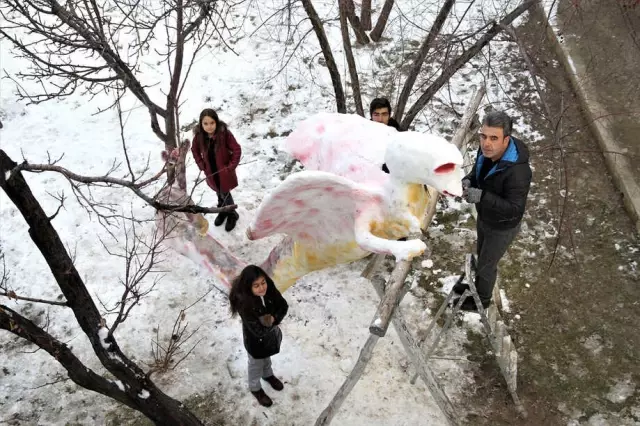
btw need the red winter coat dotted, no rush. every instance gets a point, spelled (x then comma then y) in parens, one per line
(228, 154)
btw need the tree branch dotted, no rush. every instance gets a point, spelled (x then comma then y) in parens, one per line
(421, 56)
(108, 180)
(341, 102)
(346, 41)
(461, 60)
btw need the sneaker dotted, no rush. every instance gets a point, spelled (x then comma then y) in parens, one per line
(263, 398)
(469, 305)
(220, 219)
(274, 382)
(231, 221)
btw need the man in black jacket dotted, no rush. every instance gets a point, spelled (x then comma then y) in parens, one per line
(498, 186)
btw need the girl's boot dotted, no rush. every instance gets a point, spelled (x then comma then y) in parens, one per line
(262, 398)
(220, 218)
(231, 221)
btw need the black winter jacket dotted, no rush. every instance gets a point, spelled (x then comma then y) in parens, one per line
(261, 341)
(505, 188)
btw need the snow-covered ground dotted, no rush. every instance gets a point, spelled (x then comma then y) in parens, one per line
(330, 310)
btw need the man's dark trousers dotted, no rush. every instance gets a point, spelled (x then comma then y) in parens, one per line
(491, 245)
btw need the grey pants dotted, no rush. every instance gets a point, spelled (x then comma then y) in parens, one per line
(492, 245)
(258, 369)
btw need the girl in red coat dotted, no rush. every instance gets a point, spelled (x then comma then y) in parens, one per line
(217, 154)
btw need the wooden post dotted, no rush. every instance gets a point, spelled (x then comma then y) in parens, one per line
(390, 298)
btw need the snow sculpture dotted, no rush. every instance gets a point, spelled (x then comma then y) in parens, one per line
(339, 209)
(343, 206)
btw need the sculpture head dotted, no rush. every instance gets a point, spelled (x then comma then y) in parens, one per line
(427, 159)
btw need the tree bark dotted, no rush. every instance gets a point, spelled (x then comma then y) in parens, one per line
(365, 15)
(353, 71)
(376, 34)
(316, 23)
(140, 392)
(422, 55)
(461, 60)
(361, 36)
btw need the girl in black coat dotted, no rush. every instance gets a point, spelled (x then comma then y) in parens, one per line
(261, 306)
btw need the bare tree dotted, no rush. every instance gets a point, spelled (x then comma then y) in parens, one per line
(318, 28)
(98, 46)
(358, 28)
(465, 55)
(422, 55)
(365, 14)
(132, 386)
(376, 33)
(346, 42)
(449, 51)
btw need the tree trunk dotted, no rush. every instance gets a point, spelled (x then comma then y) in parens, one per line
(361, 36)
(353, 71)
(365, 15)
(376, 34)
(341, 103)
(422, 55)
(140, 392)
(461, 60)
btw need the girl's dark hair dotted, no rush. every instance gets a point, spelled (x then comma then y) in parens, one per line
(221, 126)
(241, 297)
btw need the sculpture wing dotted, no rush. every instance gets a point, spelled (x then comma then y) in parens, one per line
(312, 207)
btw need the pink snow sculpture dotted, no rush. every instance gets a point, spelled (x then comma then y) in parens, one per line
(343, 206)
(340, 209)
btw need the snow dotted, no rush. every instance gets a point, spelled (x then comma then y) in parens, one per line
(119, 384)
(330, 310)
(103, 333)
(621, 391)
(505, 302)
(144, 394)
(427, 264)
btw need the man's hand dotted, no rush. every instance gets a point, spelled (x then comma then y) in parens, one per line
(266, 320)
(466, 183)
(472, 195)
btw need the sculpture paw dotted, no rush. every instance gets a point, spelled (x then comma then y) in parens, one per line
(410, 249)
(202, 225)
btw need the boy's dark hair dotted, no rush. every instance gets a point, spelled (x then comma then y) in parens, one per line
(378, 103)
(498, 119)
(221, 126)
(241, 297)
